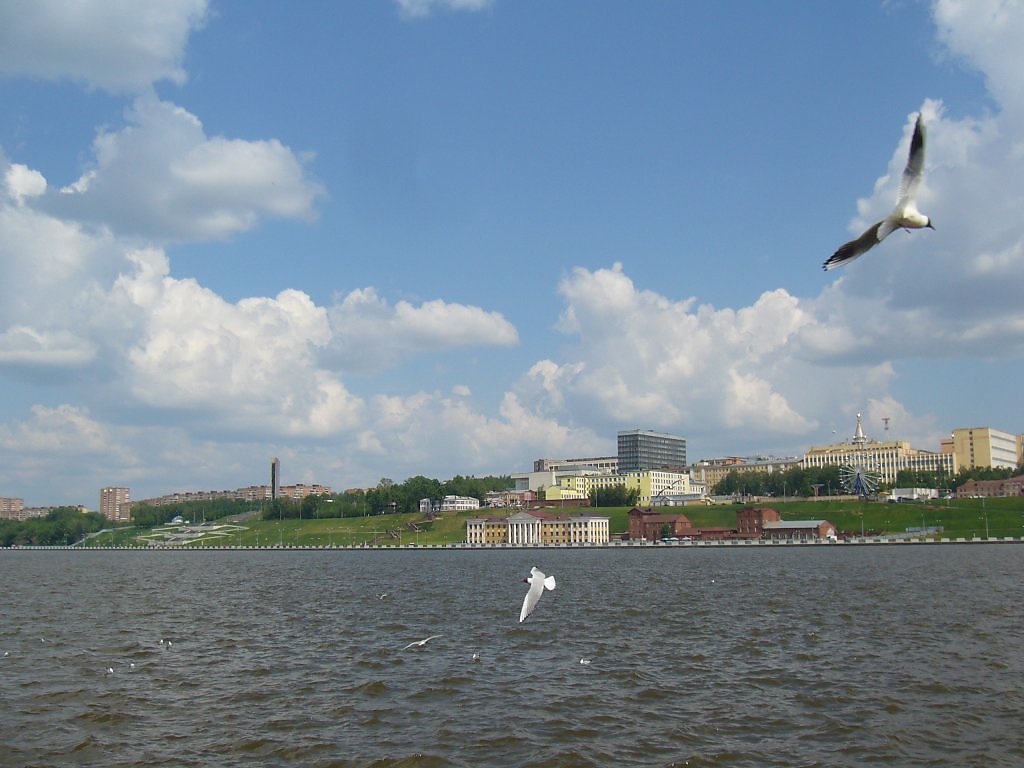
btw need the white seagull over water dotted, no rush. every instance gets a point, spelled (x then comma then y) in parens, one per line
(904, 216)
(420, 643)
(538, 583)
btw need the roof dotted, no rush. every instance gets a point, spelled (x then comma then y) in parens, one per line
(794, 523)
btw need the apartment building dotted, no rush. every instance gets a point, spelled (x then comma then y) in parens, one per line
(253, 493)
(116, 504)
(12, 509)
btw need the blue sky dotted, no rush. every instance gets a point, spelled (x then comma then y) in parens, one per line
(447, 237)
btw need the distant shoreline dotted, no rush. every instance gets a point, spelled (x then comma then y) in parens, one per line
(646, 545)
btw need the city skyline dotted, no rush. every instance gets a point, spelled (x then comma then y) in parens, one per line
(995, 449)
(438, 237)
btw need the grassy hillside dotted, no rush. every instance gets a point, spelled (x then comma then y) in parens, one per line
(959, 518)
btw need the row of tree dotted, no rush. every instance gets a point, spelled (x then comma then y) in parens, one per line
(61, 526)
(387, 497)
(795, 481)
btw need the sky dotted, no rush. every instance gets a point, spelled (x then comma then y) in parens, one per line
(388, 238)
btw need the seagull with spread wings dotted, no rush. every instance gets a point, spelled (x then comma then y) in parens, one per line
(904, 216)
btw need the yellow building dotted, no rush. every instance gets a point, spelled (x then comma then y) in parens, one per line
(652, 486)
(887, 458)
(524, 528)
(713, 471)
(985, 447)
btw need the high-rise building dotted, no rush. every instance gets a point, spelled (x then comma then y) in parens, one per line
(641, 449)
(275, 477)
(116, 504)
(12, 509)
(984, 447)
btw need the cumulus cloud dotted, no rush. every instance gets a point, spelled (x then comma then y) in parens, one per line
(641, 358)
(61, 273)
(370, 333)
(116, 45)
(162, 177)
(247, 365)
(63, 429)
(23, 345)
(987, 34)
(89, 301)
(413, 426)
(21, 182)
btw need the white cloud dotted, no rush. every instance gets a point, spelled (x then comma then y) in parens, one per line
(25, 346)
(116, 45)
(21, 182)
(60, 272)
(89, 302)
(413, 9)
(162, 177)
(422, 428)
(987, 34)
(246, 365)
(64, 429)
(370, 333)
(642, 358)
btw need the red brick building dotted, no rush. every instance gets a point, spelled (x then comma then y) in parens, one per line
(645, 523)
(750, 521)
(1012, 486)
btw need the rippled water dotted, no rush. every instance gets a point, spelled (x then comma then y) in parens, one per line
(837, 656)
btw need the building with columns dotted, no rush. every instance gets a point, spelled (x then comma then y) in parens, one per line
(887, 457)
(536, 528)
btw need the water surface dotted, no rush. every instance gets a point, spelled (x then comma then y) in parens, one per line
(823, 656)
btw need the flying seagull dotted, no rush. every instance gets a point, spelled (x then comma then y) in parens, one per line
(904, 216)
(420, 643)
(538, 583)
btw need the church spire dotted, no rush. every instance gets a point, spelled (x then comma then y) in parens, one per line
(859, 437)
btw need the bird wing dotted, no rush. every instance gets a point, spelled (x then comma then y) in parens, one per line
(914, 169)
(532, 596)
(851, 250)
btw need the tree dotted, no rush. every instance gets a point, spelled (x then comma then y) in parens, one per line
(63, 525)
(615, 496)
